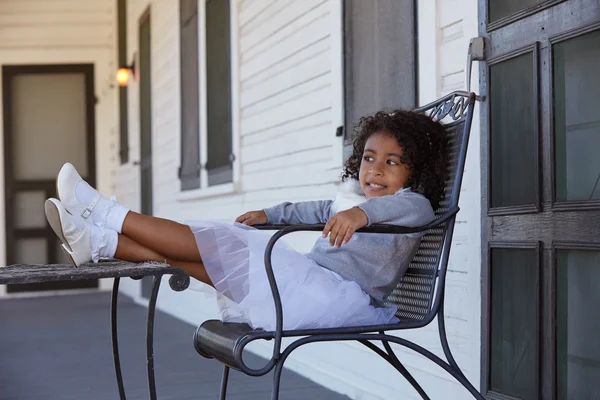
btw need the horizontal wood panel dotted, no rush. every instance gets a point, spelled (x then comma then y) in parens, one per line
(301, 73)
(288, 94)
(549, 22)
(286, 23)
(311, 138)
(280, 115)
(57, 23)
(311, 33)
(546, 227)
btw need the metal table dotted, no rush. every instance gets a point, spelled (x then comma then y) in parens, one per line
(20, 274)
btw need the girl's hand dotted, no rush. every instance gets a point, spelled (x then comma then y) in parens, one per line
(342, 225)
(253, 218)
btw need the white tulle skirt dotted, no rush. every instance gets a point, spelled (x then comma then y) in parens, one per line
(311, 296)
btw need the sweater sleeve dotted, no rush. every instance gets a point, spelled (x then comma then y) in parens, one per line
(309, 212)
(405, 208)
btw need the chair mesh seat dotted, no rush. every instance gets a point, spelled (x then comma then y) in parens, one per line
(413, 296)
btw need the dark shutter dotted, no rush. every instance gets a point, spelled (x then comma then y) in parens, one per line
(123, 115)
(218, 71)
(189, 171)
(379, 62)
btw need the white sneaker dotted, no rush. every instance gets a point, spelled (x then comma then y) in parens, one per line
(94, 208)
(75, 235)
(66, 184)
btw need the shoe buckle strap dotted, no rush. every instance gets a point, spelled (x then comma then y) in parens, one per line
(88, 211)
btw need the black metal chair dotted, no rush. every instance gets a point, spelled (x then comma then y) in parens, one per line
(419, 296)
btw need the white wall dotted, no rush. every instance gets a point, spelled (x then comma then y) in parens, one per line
(287, 92)
(65, 32)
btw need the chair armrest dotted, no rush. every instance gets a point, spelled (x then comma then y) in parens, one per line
(375, 228)
(283, 230)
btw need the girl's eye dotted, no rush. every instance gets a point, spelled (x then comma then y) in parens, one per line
(392, 162)
(368, 158)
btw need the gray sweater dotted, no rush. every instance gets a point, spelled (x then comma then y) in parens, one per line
(375, 261)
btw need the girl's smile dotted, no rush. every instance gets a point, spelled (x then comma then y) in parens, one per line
(381, 170)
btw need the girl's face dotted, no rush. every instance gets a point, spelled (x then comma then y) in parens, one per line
(381, 171)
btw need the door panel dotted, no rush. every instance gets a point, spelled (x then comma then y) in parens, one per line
(48, 120)
(549, 157)
(576, 86)
(48, 109)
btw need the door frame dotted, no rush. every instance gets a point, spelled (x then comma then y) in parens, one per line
(8, 73)
(145, 18)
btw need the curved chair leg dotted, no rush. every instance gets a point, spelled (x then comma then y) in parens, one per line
(400, 367)
(115, 339)
(391, 358)
(150, 336)
(451, 369)
(277, 377)
(444, 338)
(394, 339)
(224, 381)
(448, 353)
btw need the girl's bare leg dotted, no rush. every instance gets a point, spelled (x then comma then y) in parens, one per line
(130, 250)
(170, 238)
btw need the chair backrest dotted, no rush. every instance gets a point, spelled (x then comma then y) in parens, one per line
(419, 293)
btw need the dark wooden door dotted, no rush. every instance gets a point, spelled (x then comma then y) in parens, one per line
(48, 113)
(145, 72)
(542, 195)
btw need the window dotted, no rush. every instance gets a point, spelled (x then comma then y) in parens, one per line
(513, 132)
(576, 118)
(578, 350)
(503, 8)
(206, 110)
(379, 63)
(514, 314)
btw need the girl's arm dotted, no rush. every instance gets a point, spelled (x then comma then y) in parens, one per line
(405, 208)
(308, 212)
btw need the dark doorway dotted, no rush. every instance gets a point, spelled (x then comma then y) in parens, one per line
(48, 120)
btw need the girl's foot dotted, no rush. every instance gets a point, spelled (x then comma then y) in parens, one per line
(80, 199)
(82, 242)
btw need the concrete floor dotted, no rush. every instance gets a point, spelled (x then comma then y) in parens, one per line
(59, 348)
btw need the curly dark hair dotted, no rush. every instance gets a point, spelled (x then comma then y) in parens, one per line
(425, 149)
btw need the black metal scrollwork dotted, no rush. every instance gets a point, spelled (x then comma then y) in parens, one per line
(455, 106)
(179, 281)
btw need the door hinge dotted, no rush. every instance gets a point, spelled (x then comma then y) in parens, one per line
(339, 131)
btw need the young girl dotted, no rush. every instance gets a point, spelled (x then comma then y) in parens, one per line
(398, 170)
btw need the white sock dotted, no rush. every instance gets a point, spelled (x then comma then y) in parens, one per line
(103, 242)
(107, 213)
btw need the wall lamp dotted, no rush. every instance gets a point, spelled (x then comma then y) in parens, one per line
(125, 73)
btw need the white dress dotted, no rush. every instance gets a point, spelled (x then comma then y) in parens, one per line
(311, 296)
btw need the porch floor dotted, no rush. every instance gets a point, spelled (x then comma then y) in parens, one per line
(59, 347)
